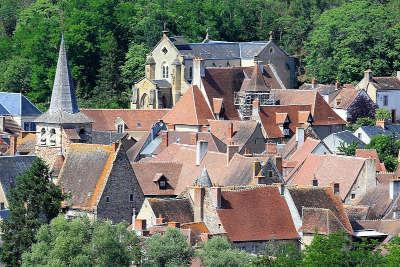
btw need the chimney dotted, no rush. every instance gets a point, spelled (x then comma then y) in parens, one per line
(271, 148)
(337, 85)
(159, 220)
(174, 224)
(140, 225)
(314, 83)
(198, 71)
(164, 139)
(229, 130)
(2, 123)
(231, 149)
(177, 80)
(198, 202)
(299, 136)
(133, 215)
(13, 145)
(201, 150)
(381, 123)
(215, 193)
(368, 75)
(150, 67)
(278, 164)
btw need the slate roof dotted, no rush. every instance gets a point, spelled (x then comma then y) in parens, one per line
(134, 119)
(386, 83)
(372, 130)
(203, 179)
(191, 109)
(328, 169)
(106, 137)
(323, 89)
(11, 167)
(172, 210)
(17, 104)
(322, 113)
(320, 198)
(84, 184)
(265, 217)
(63, 105)
(334, 140)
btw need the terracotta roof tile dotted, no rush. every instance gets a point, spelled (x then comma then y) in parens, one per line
(217, 105)
(191, 109)
(256, 82)
(135, 119)
(172, 210)
(345, 97)
(302, 152)
(265, 217)
(371, 154)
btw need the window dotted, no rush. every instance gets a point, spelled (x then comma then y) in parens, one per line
(43, 136)
(336, 189)
(165, 72)
(120, 128)
(271, 50)
(53, 137)
(353, 196)
(359, 135)
(228, 64)
(107, 199)
(270, 173)
(315, 182)
(29, 126)
(214, 65)
(190, 72)
(164, 50)
(2, 207)
(131, 198)
(138, 124)
(162, 184)
(385, 100)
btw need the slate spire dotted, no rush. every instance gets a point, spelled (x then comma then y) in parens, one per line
(203, 179)
(63, 95)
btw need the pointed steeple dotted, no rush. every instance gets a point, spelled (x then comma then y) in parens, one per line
(203, 179)
(63, 95)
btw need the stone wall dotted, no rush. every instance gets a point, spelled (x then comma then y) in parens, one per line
(120, 185)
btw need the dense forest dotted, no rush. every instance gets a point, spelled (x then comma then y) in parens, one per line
(107, 40)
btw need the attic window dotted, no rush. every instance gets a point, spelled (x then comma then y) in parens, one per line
(315, 182)
(162, 184)
(107, 199)
(131, 197)
(336, 189)
(271, 51)
(138, 124)
(164, 50)
(338, 101)
(353, 196)
(270, 174)
(120, 128)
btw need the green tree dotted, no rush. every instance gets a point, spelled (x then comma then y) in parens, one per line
(383, 114)
(387, 148)
(170, 249)
(79, 242)
(340, 48)
(392, 258)
(15, 75)
(34, 201)
(133, 68)
(279, 255)
(350, 149)
(219, 252)
(361, 122)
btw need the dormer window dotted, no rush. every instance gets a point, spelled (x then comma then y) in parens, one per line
(336, 189)
(120, 128)
(120, 125)
(165, 71)
(162, 184)
(161, 180)
(315, 182)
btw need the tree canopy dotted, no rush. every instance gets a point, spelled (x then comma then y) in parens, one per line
(34, 201)
(107, 39)
(79, 242)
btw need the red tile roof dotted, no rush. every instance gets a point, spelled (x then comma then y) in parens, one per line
(256, 82)
(321, 111)
(328, 169)
(135, 119)
(302, 152)
(345, 97)
(265, 217)
(371, 154)
(191, 109)
(273, 116)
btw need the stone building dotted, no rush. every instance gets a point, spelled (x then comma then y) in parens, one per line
(174, 64)
(63, 123)
(100, 182)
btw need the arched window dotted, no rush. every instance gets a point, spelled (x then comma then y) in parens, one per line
(43, 136)
(143, 100)
(53, 137)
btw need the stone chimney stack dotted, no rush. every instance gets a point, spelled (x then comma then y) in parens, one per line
(198, 71)
(197, 194)
(299, 136)
(201, 150)
(215, 193)
(368, 75)
(177, 80)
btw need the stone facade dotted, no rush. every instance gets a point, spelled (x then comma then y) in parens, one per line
(365, 181)
(122, 195)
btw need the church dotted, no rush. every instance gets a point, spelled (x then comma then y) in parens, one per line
(174, 64)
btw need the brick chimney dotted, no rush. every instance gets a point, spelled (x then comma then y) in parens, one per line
(198, 71)
(231, 149)
(215, 193)
(201, 150)
(337, 85)
(197, 194)
(13, 145)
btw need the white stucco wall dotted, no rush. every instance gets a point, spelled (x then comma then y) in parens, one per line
(360, 134)
(393, 101)
(341, 112)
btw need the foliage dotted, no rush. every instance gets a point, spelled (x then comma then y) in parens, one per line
(219, 252)
(79, 242)
(383, 114)
(169, 249)
(348, 150)
(393, 255)
(340, 48)
(34, 201)
(387, 148)
(364, 121)
(278, 255)
(133, 69)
